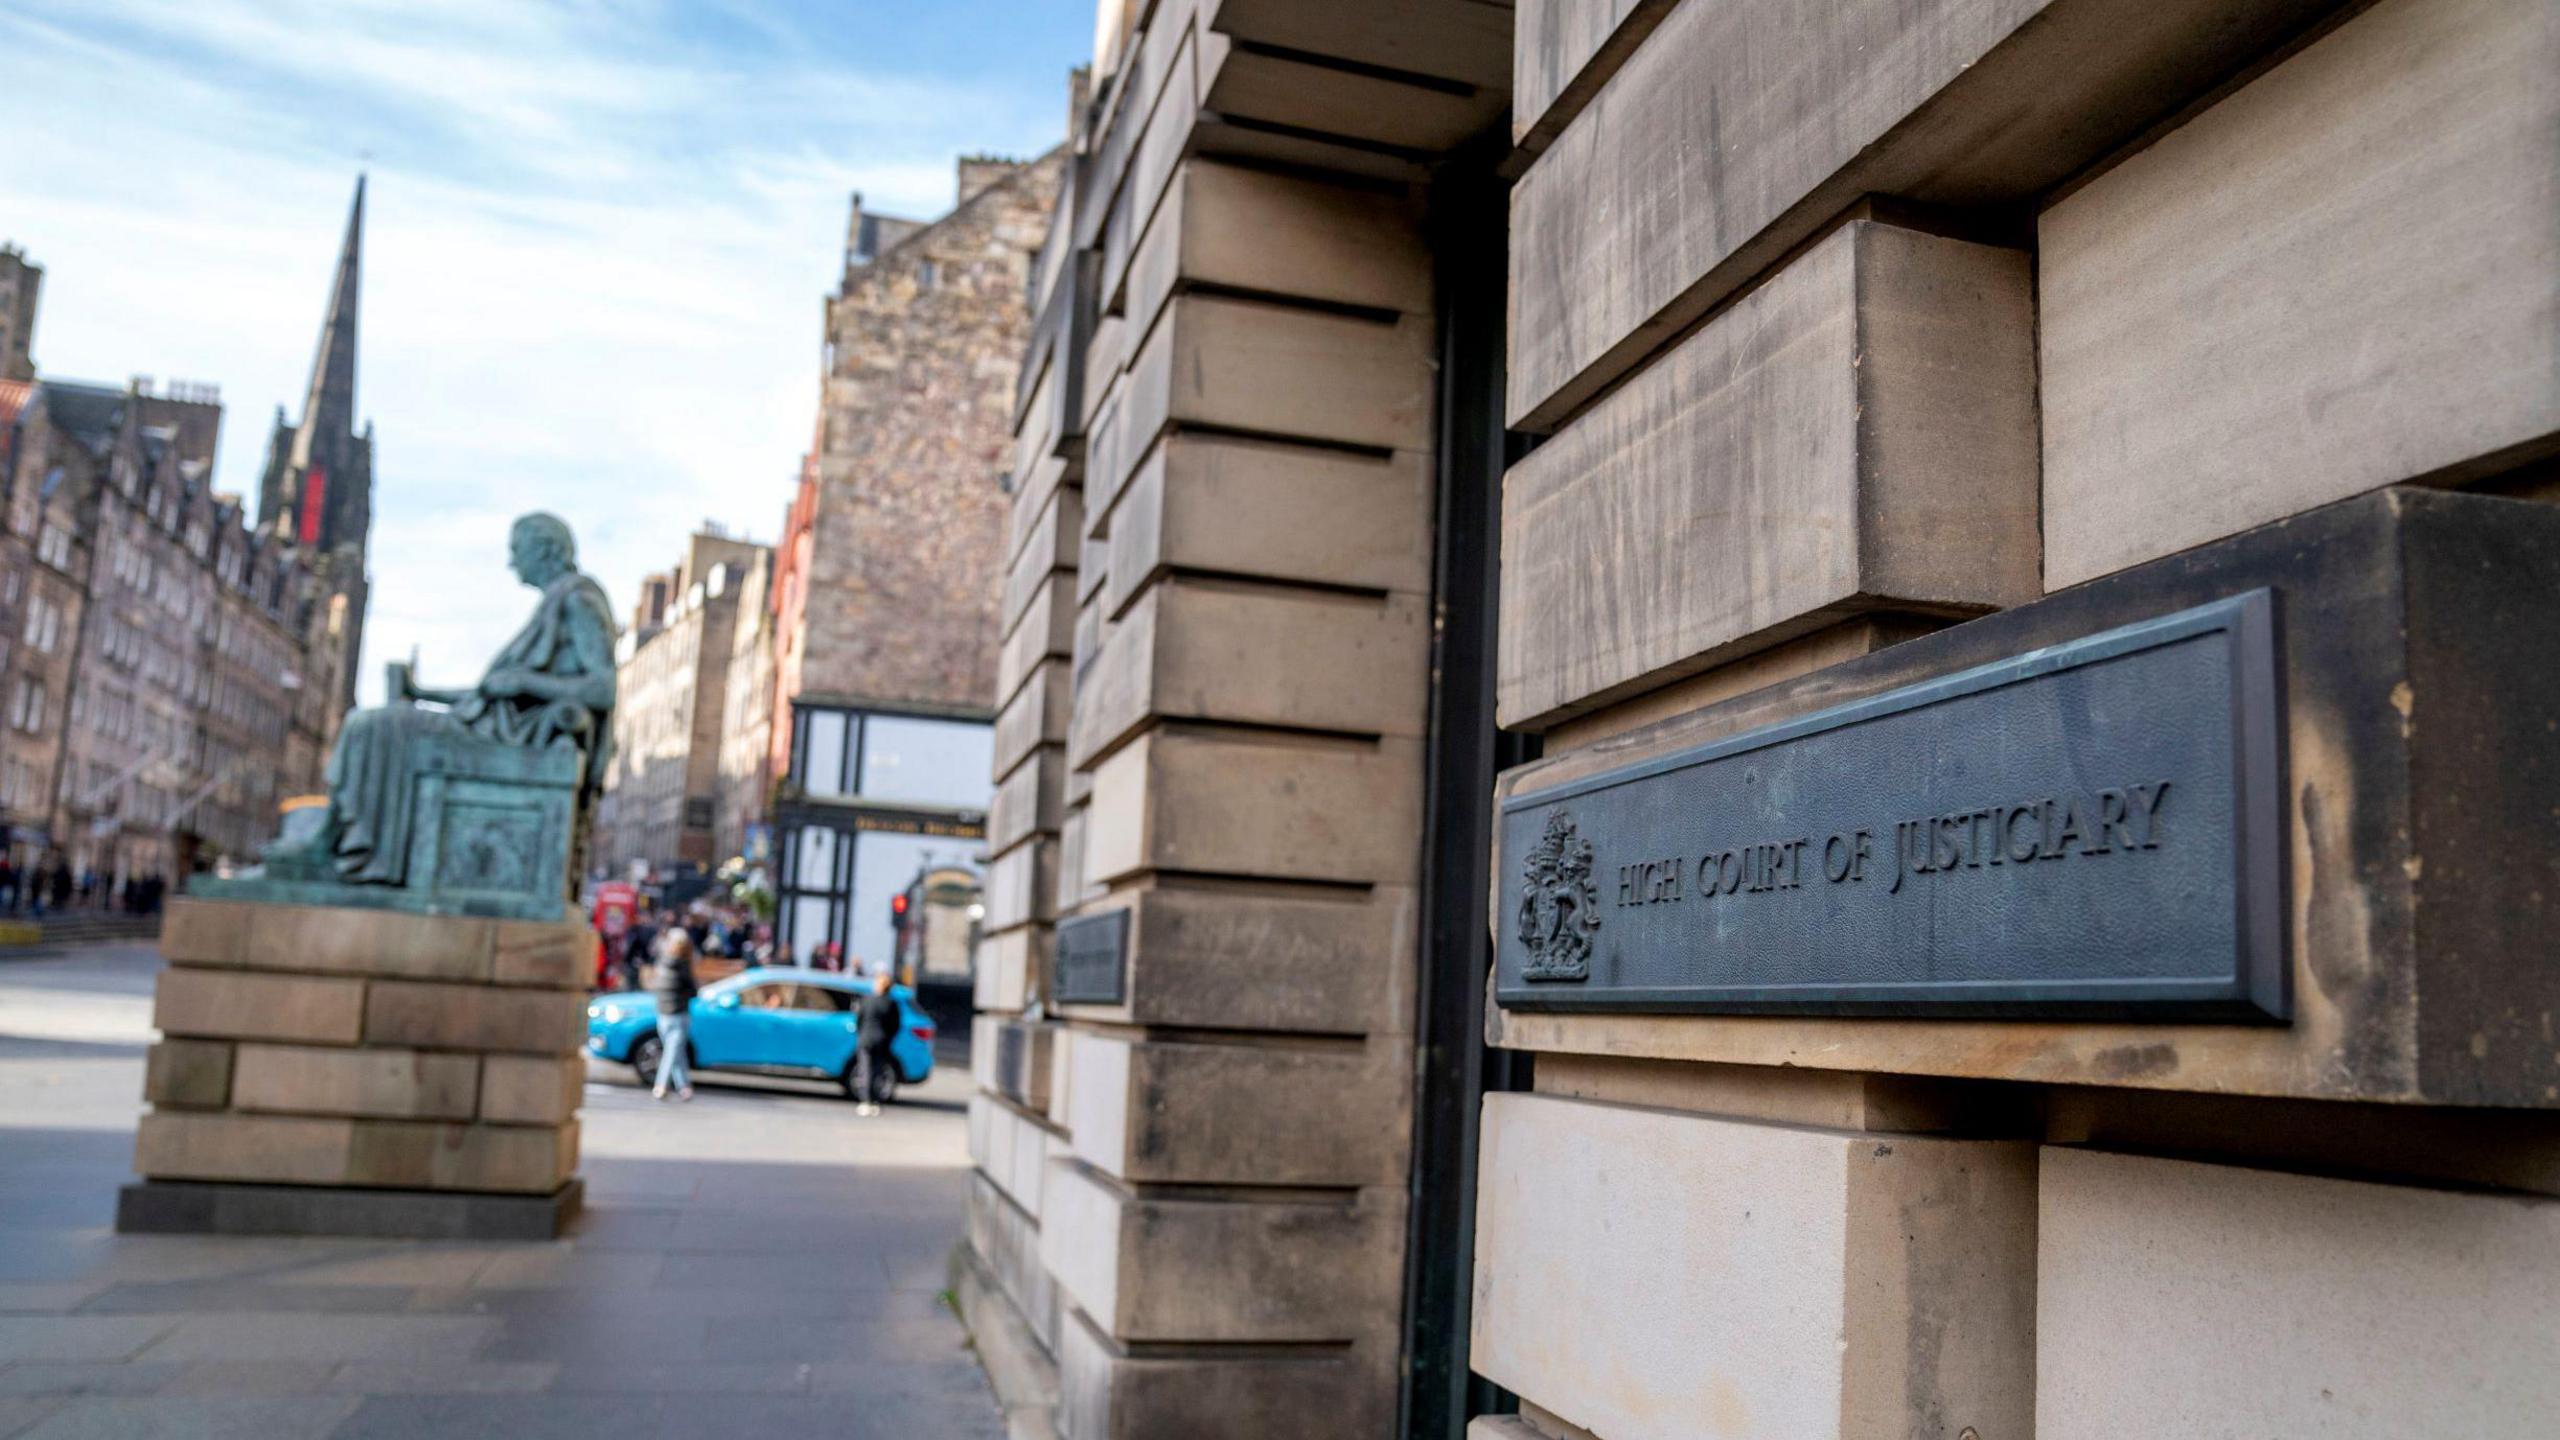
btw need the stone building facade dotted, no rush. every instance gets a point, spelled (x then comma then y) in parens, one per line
(745, 785)
(1749, 719)
(20, 282)
(671, 672)
(885, 582)
(170, 668)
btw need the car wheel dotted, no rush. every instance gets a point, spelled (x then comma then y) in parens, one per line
(646, 1052)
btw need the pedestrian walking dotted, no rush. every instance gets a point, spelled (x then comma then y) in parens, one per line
(672, 982)
(877, 1021)
(8, 886)
(639, 948)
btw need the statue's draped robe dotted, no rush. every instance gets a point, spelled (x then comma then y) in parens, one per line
(373, 772)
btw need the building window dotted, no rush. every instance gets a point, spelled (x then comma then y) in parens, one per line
(928, 274)
(53, 547)
(26, 706)
(927, 762)
(44, 624)
(822, 760)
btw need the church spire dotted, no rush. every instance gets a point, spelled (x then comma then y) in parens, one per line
(329, 406)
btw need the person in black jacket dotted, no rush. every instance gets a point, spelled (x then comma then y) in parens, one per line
(672, 982)
(878, 1019)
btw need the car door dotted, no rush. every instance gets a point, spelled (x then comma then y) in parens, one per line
(824, 1028)
(742, 1026)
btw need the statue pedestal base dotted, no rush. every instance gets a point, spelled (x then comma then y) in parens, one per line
(330, 1070)
(185, 1207)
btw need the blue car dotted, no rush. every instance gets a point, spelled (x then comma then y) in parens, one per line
(775, 1021)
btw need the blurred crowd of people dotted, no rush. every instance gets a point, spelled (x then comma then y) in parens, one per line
(50, 885)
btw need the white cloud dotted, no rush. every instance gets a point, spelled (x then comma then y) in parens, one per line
(593, 261)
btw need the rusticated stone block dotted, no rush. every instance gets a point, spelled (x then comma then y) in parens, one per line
(1241, 804)
(188, 1074)
(1010, 963)
(1107, 1392)
(1045, 630)
(229, 1005)
(2404, 1310)
(1217, 960)
(1035, 716)
(468, 1017)
(1220, 504)
(1008, 1241)
(1243, 229)
(378, 1083)
(1268, 370)
(1028, 800)
(329, 940)
(1022, 885)
(1737, 130)
(1156, 1268)
(547, 956)
(1256, 655)
(1171, 1112)
(2343, 275)
(1821, 1283)
(531, 1090)
(1857, 434)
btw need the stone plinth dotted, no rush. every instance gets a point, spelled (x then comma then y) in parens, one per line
(369, 1072)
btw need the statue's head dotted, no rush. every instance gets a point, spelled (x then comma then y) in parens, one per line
(540, 548)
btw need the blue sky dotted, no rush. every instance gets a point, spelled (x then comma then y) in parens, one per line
(597, 236)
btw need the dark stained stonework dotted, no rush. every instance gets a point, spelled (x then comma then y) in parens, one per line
(186, 1207)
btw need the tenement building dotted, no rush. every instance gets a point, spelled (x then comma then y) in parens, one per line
(885, 584)
(1734, 718)
(672, 693)
(171, 667)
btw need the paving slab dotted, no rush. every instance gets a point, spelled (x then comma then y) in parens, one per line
(761, 1261)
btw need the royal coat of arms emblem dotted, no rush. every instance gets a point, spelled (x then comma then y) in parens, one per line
(1559, 907)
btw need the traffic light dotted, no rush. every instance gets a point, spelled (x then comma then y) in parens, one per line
(898, 910)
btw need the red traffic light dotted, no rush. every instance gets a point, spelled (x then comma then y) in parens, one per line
(898, 905)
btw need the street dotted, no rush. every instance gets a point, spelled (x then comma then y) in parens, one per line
(758, 1262)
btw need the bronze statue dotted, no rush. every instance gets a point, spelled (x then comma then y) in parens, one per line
(551, 689)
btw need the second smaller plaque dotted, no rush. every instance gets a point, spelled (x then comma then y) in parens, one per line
(1093, 959)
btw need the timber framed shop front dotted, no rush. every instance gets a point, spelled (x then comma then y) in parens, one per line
(1732, 718)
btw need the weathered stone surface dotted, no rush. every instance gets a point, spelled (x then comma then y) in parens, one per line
(1216, 504)
(2394, 1310)
(1859, 433)
(2345, 274)
(382, 1083)
(1278, 234)
(1766, 1278)
(1735, 131)
(1055, 542)
(1235, 1113)
(1010, 963)
(1228, 803)
(329, 940)
(1036, 715)
(188, 1074)
(1758, 670)
(550, 957)
(1563, 51)
(1028, 800)
(1019, 1065)
(1264, 369)
(228, 1005)
(398, 1154)
(1045, 630)
(1106, 1392)
(530, 1089)
(2419, 702)
(1072, 888)
(466, 1017)
(1150, 1268)
(1217, 960)
(1008, 1241)
(1254, 654)
(1022, 884)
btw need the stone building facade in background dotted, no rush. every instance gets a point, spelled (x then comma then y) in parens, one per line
(744, 787)
(20, 282)
(884, 583)
(672, 668)
(1508, 495)
(170, 668)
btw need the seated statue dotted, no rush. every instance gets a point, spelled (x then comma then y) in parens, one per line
(552, 687)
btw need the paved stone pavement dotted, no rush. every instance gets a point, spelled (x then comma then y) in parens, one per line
(759, 1262)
